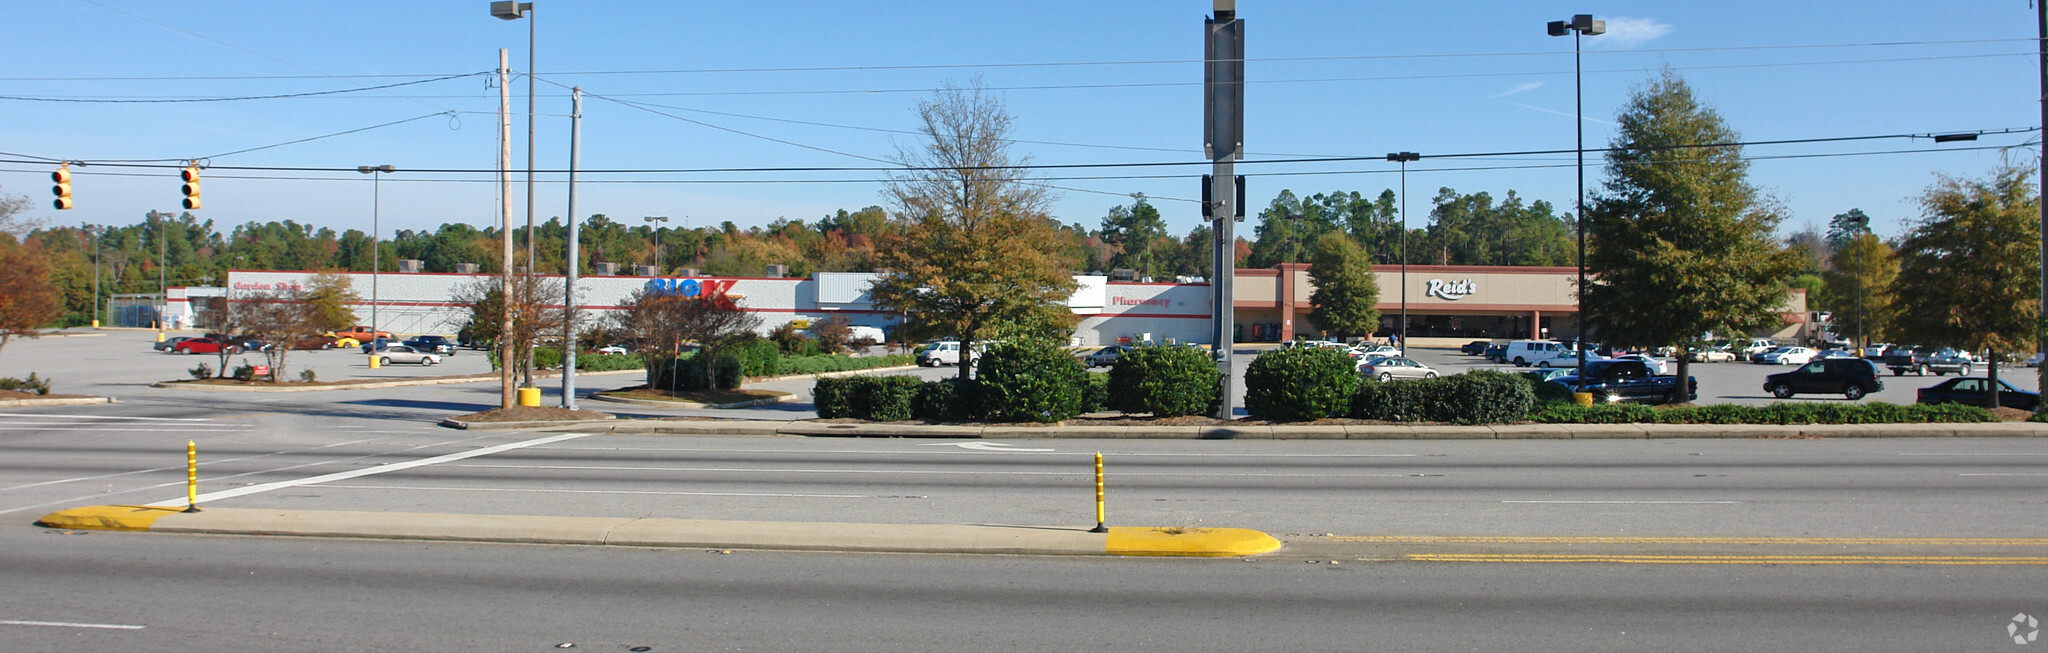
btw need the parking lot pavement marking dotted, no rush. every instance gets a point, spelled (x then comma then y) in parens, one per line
(381, 469)
(1622, 502)
(145, 419)
(928, 471)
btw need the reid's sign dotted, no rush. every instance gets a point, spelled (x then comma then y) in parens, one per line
(1452, 290)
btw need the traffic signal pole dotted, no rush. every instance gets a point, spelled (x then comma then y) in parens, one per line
(1223, 142)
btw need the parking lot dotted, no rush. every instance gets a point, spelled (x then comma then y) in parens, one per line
(84, 361)
(1743, 383)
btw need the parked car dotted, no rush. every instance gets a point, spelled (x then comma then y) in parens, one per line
(1106, 356)
(204, 346)
(1906, 359)
(943, 352)
(1876, 350)
(1656, 366)
(1787, 356)
(1950, 361)
(437, 344)
(1849, 377)
(1971, 390)
(1757, 348)
(378, 345)
(315, 342)
(1495, 353)
(1711, 355)
(1566, 358)
(168, 343)
(1548, 374)
(1396, 367)
(1524, 353)
(1474, 348)
(612, 350)
(1838, 353)
(406, 354)
(2034, 360)
(1619, 380)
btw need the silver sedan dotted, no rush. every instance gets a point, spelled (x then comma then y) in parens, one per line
(1388, 369)
(405, 354)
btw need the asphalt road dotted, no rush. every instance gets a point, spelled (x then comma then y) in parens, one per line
(1452, 545)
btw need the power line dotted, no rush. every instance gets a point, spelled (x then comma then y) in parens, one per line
(20, 98)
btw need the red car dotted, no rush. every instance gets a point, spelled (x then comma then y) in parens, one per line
(203, 346)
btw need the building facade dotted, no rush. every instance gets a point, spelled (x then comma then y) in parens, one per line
(1445, 303)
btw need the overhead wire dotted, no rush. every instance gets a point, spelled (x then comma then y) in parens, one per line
(280, 96)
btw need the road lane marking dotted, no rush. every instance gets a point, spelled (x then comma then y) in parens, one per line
(70, 416)
(945, 471)
(1989, 474)
(1618, 502)
(1972, 454)
(181, 482)
(778, 495)
(1596, 539)
(170, 468)
(979, 445)
(1726, 560)
(68, 624)
(380, 469)
(139, 428)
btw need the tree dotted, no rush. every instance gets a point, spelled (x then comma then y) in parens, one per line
(1846, 227)
(1968, 269)
(11, 222)
(1860, 278)
(1679, 243)
(1135, 232)
(537, 312)
(667, 322)
(280, 317)
(978, 256)
(1347, 292)
(27, 300)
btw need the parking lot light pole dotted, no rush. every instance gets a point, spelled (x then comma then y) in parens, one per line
(650, 220)
(1403, 158)
(1581, 24)
(376, 174)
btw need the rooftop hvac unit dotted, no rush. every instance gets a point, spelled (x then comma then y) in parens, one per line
(646, 270)
(606, 269)
(411, 265)
(686, 272)
(467, 268)
(778, 270)
(1121, 274)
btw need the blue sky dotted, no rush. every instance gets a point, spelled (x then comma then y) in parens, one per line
(835, 84)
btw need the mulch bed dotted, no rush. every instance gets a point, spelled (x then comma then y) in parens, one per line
(697, 396)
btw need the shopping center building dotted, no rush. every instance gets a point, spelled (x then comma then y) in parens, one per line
(1444, 304)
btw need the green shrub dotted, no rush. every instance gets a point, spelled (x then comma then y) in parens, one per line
(1163, 381)
(244, 372)
(948, 400)
(686, 373)
(547, 358)
(833, 397)
(1546, 391)
(1395, 401)
(878, 398)
(308, 376)
(758, 357)
(1781, 413)
(1566, 413)
(1482, 397)
(32, 384)
(594, 362)
(1030, 380)
(1287, 385)
(1095, 397)
(202, 372)
(840, 363)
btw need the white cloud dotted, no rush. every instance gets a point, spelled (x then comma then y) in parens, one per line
(1629, 32)
(1525, 86)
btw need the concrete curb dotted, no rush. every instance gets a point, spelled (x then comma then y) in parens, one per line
(805, 428)
(685, 533)
(692, 404)
(57, 401)
(369, 385)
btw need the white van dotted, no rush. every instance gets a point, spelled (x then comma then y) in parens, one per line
(943, 352)
(1524, 353)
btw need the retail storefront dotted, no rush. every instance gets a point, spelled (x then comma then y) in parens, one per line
(1442, 302)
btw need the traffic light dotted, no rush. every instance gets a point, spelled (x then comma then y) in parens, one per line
(191, 177)
(63, 188)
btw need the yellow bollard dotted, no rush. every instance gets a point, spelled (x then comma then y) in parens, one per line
(191, 476)
(373, 361)
(529, 397)
(159, 336)
(1099, 521)
(95, 324)
(1582, 398)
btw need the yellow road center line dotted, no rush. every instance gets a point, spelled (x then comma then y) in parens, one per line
(1510, 539)
(1728, 560)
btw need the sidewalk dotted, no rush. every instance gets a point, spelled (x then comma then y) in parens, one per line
(682, 533)
(715, 426)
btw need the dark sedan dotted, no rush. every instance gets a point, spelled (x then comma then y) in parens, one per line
(1105, 357)
(1971, 389)
(1474, 348)
(168, 344)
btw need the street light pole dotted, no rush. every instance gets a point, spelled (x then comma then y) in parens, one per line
(575, 260)
(512, 10)
(1403, 158)
(1580, 25)
(376, 174)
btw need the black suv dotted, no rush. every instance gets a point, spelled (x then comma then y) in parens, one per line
(434, 344)
(1851, 377)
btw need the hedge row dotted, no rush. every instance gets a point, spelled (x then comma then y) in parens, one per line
(893, 398)
(1477, 397)
(1785, 413)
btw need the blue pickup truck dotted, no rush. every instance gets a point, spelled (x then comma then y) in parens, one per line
(1614, 381)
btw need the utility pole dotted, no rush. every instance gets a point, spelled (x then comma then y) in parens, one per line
(1223, 142)
(2041, 330)
(505, 353)
(569, 281)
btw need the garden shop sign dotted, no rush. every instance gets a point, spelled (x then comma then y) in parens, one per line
(1452, 290)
